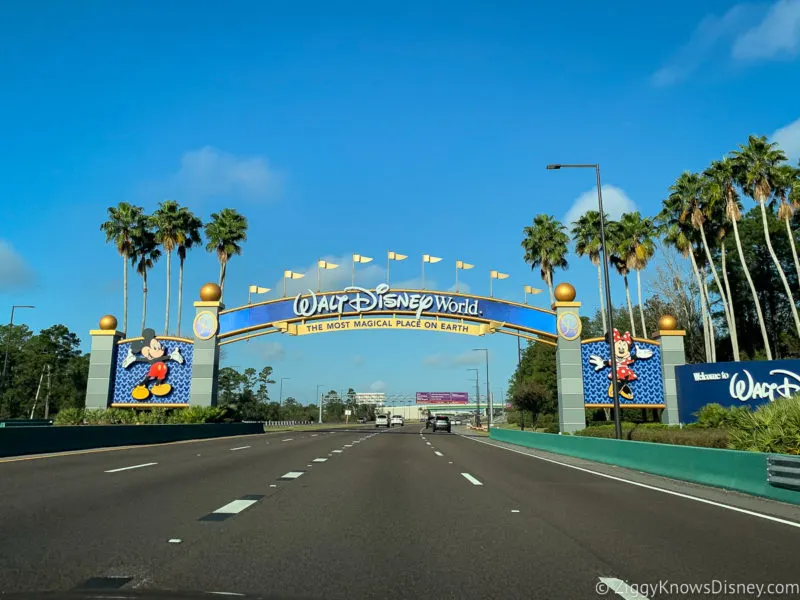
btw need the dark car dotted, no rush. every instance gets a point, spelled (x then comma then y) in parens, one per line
(441, 423)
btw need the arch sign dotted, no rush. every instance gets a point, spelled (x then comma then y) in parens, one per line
(356, 308)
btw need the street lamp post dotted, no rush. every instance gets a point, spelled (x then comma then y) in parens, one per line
(607, 284)
(477, 398)
(320, 402)
(488, 392)
(280, 396)
(8, 343)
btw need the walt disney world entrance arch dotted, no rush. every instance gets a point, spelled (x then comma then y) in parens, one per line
(164, 371)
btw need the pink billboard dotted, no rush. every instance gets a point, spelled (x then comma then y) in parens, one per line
(442, 397)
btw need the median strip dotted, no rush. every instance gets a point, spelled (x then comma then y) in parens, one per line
(129, 468)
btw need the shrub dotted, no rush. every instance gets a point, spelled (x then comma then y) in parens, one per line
(773, 427)
(69, 416)
(662, 434)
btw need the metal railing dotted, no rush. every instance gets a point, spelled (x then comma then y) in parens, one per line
(783, 471)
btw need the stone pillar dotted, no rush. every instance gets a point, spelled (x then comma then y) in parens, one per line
(673, 354)
(571, 410)
(205, 364)
(103, 364)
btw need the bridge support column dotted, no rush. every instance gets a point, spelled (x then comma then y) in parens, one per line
(102, 364)
(571, 411)
(673, 354)
(205, 364)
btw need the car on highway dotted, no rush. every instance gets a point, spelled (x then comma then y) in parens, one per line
(362, 419)
(397, 420)
(441, 423)
(382, 421)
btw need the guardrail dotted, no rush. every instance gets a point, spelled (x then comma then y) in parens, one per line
(17, 441)
(26, 423)
(728, 469)
(281, 423)
(783, 471)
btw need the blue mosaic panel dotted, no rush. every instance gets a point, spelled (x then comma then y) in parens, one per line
(648, 389)
(179, 376)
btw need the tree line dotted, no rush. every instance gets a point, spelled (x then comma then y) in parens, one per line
(747, 307)
(142, 239)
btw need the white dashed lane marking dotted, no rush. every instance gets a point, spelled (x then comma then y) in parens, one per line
(471, 479)
(240, 448)
(132, 467)
(319, 460)
(437, 453)
(338, 451)
(291, 475)
(287, 440)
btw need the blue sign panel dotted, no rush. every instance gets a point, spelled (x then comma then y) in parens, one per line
(749, 383)
(354, 301)
(638, 373)
(153, 371)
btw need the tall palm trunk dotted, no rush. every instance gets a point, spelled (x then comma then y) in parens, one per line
(732, 323)
(124, 293)
(602, 301)
(223, 267)
(711, 336)
(703, 308)
(180, 293)
(641, 305)
(549, 282)
(630, 305)
(747, 276)
(794, 249)
(725, 307)
(778, 267)
(169, 280)
(144, 298)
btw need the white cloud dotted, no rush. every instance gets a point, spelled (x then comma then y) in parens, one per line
(777, 35)
(367, 275)
(442, 361)
(377, 386)
(615, 202)
(463, 288)
(708, 34)
(358, 359)
(271, 351)
(209, 172)
(788, 138)
(15, 274)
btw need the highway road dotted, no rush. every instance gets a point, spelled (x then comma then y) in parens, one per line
(368, 514)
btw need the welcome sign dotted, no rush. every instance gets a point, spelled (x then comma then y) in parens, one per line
(750, 383)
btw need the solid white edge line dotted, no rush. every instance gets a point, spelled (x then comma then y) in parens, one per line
(620, 588)
(240, 448)
(129, 468)
(646, 486)
(235, 507)
(471, 479)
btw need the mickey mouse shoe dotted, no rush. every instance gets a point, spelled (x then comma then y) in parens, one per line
(162, 389)
(140, 392)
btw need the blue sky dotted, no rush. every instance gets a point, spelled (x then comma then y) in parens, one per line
(358, 128)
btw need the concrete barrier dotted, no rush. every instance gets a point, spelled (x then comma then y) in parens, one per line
(17, 441)
(729, 469)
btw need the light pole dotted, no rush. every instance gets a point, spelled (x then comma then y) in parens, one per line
(477, 398)
(8, 342)
(320, 402)
(607, 284)
(280, 396)
(488, 392)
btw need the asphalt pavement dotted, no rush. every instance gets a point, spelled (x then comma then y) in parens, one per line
(361, 513)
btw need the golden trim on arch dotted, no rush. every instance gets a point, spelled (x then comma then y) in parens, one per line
(636, 339)
(169, 338)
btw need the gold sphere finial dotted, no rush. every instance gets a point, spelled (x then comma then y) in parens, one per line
(210, 292)
(564, 292)
(667, 323)
(108, 323)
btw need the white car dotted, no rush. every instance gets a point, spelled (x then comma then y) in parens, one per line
(397, 420)
(382, 421)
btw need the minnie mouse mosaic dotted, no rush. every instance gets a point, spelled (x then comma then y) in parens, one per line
(627, 354)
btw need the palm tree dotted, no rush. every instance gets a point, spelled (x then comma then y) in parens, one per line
(722, 177)
(787, 187)
(190, 227)
(225, 233)
(545, 245)
(586, 234)
(620, 255)
(145, 255)
(697, 209)
(639, 238)
(755, 167)
(166, 222)
(680, 235)
(124, 223)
